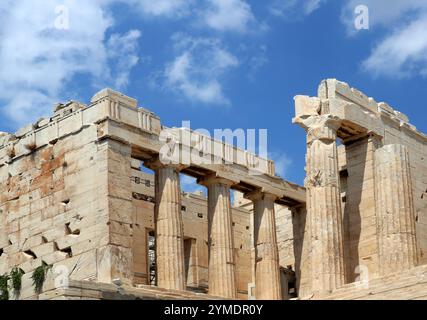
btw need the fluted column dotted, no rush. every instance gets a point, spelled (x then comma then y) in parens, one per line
(169, 229)
(324, 203)
(395, 209)
(220, 237)
(267, 269)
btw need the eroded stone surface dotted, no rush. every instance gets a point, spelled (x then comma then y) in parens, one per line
(378, 185)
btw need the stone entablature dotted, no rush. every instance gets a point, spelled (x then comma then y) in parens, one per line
(115, 114)
(191, 142)
(360, 113)
(72, 117)
(373, 204)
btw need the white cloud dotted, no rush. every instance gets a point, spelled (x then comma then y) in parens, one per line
(166, 8)
(198, 68)
(257, 61)
(219, 15)
(38, 61)
(123, 49)
(282, 163)
(385, 13)
(403, 49)
(281, 8)
(312, 5)
(402, 53)
(294, 8)
(229, 15)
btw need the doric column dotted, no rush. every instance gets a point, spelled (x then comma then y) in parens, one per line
(324, 203)
(395, 209)
(220, 237)
(267, 269)
(114, 256)
(169, 229)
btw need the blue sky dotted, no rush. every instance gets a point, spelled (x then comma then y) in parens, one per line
(217, 63)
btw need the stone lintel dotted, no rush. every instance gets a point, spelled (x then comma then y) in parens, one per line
(353, 106)
(321, 127)
(369, 135)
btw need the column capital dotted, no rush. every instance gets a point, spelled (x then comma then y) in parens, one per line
(321, 127)
(260, 195)
(214, 178)
(155, 163)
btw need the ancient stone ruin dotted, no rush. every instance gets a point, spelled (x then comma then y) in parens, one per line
(80, 217)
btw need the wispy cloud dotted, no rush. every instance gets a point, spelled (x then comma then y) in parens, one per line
(230, 15)
(402, 53)
(294, 8)
(162, 8)
(38, 61)
(403, 50)
(198, 68)
(312, 5)
(123, 49)
(257, 61)
(388, 14)
(234, 16)
(282, 163)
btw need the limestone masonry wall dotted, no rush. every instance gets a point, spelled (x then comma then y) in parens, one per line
(54, 208)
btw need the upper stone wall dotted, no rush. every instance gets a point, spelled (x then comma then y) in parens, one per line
(116, 96)
(360, 113)
(116, 116)
(72, 117)
(342, 96)
(364, 126)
